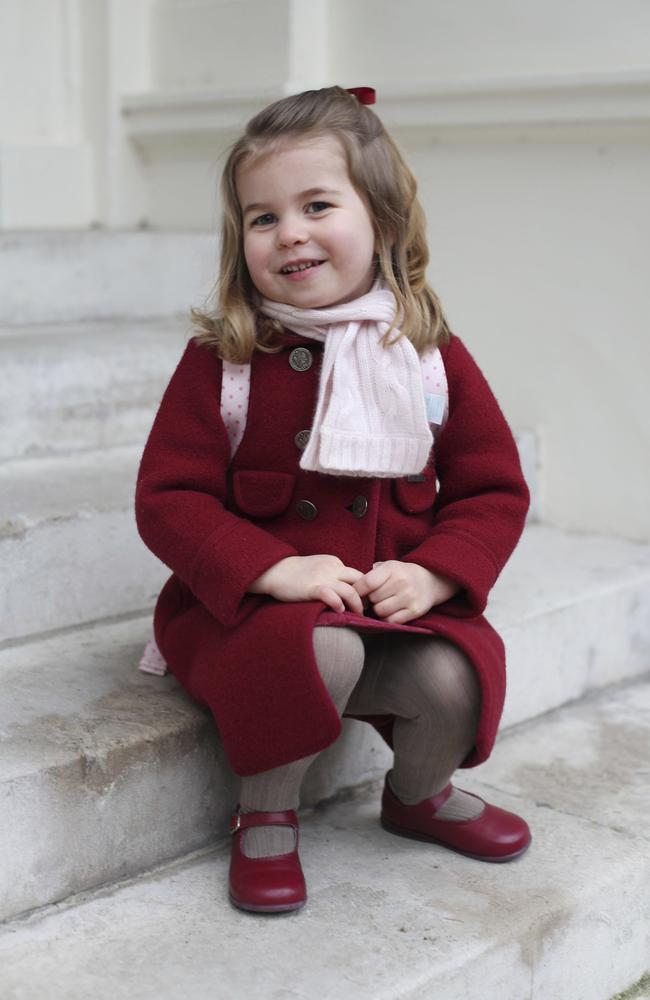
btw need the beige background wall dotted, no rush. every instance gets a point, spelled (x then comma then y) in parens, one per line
(528, 126)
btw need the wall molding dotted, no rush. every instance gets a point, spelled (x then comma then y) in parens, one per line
(169, 113)
(581, 99)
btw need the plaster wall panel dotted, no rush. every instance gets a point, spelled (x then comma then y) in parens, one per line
(416, 42)
(229, 44)
(37, 70)
(539, 242)
(46, 186)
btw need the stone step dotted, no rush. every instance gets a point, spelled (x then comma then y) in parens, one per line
(62, 277)
(68, 542)
(389, 918)
(79, 386)
(118, 771)
(574, 611)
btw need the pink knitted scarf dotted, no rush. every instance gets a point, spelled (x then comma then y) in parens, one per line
(370, 415)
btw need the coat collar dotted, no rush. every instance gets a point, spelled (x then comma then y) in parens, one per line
(287, 338)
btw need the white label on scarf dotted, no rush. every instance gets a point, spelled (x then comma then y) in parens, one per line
(435, 405)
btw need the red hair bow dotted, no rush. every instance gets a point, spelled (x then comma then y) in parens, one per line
(364, 95)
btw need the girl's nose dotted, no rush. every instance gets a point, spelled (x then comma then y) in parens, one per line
(291, 232)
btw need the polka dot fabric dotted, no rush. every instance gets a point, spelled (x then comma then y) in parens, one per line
(435, 381)
(235, 393)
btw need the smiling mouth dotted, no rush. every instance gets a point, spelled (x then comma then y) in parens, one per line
(304, 265)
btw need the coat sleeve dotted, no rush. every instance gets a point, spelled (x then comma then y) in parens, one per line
(181, 491)
(481, 507)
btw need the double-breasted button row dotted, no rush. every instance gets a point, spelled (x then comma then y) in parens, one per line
(308, 510)
(301, 360)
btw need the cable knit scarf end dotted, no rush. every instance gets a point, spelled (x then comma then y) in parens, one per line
(370, 417)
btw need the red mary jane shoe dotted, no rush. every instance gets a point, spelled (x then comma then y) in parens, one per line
(265, 885)
(493, 835)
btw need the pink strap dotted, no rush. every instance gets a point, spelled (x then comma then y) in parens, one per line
(436, 391)
(235, 393)
(152, 661)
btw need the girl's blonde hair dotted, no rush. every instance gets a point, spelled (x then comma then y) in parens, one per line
(384, 182)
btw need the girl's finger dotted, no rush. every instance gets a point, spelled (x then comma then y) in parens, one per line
(389, 607)
(372, 580)
(329, 596)
(401, 617)
(349, 574)
(383, 593)
(351, 598)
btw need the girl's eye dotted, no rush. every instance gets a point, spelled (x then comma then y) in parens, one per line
(263, 220)
(318, 206)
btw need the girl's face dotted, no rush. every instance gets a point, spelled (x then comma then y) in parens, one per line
(308, 236)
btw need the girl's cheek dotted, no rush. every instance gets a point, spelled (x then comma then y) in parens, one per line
(250, 255)
(255, 248)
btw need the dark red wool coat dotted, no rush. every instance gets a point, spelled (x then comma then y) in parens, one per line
(219, 525)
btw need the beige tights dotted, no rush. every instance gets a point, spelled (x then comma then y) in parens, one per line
(339, 655)
(431, 688)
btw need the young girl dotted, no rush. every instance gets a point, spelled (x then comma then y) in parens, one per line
(290, 484)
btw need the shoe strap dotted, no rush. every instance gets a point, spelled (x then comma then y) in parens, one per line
(434, 802)
(246, 820)
(438, 801)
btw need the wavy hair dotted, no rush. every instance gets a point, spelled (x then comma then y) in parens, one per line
(382, 179)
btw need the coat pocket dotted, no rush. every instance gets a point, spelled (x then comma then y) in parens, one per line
(262, 494)
(415, 494)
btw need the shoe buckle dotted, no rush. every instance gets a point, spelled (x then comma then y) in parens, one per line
(235, 824)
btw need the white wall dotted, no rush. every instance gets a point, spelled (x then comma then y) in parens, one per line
(418, 42)
(38, 62)
(45, 163)
(248, 43)
(540, 247)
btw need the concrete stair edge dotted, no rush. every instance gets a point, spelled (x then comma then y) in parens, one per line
(78, 387)
(52, 277)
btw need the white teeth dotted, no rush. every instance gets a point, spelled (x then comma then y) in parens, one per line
(300, 267)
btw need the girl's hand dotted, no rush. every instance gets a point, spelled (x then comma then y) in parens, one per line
(312, 578)
(400, 592)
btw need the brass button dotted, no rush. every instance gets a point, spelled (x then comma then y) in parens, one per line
(301, 359)
(302, 439)
(359, 506)
(307, 510)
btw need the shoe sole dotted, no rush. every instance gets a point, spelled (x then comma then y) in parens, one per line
(274, 908)
(401, 831)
